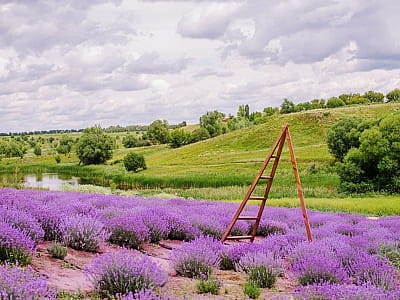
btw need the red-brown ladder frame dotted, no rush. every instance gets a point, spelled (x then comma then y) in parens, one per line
(275, 154)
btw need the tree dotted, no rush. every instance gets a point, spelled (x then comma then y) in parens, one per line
(374, 97)
(375, 163)
(335, 102)
(37, 150)
(212, 121)
(269, 111)
(287, 107)
(94, 146)
(200, 135)
(358, 100)
(134, 162)
(179, 137)
(343, 136)
(393, 96)
(65, 144)
(158, 131)
(243, 111)
(129, 141)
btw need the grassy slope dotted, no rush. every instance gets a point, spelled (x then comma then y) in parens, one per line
(231, 161)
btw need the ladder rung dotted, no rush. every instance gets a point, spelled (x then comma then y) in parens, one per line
(247, 218)
(257, 198)
(239, 237)
(265, 177)
(274, 156)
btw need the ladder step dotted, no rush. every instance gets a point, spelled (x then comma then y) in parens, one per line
(265, 177)
(247, 218)
(257, 198)
(274, 156)
(239, 237)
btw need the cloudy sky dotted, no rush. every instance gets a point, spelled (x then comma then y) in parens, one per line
(76, 63)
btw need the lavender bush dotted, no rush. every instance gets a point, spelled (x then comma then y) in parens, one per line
(197, 258)
(23, 284)
(15, 246)
(83, 233)
(271, 227)
(22, 221)
(344, 292)
(262, 268)
(123, 272)
(128, 231)
(156, 221)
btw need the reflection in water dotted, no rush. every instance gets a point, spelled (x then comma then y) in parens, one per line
(50, 181)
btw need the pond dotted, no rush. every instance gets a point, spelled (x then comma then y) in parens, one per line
(49, 181)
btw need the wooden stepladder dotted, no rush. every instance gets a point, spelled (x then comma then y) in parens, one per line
(274, 155)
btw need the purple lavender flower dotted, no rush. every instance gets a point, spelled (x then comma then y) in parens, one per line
(233, 253)
(15, 246)
(128, 231)
(344, 292)
(271, 227)
(156, 221)
(83, 233)
(23, 284)
(198, 257)
(144, 295)
(23, 221)
(123, 272)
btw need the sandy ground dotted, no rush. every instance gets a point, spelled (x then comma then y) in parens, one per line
(68, 274)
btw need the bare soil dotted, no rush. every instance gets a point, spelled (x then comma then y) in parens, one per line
(68, 275)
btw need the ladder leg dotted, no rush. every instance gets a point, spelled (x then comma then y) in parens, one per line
(298, 185)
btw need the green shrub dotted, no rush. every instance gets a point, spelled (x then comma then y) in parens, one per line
(251, 289)
(57, 159)
(210, 285)
(134, 162)
(392, 254)
(57, 250)
(262, 276)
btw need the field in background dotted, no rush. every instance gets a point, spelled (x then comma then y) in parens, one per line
(222, 168)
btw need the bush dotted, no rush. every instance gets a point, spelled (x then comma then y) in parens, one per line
(155, 221)
(271, 227)
(15, 246)
(197, 258)
(123, 272)
(128, 231)
(251, 289)
(261, 267)
(208, 285)
(392, 253)
(335, 102)
(83, 233)
(20, 284)
(57, 250)
(57, 158)
(134, 162)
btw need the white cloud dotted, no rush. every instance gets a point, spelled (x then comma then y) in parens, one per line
(75, 63)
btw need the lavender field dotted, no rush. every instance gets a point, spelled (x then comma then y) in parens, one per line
(149, 248)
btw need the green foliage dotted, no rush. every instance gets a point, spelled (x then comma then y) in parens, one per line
(251, 289)
(244, 112)
(238, 123)
(287, 107)
(14, 256)
(200, 135)
(375, 163)
(13, 147)
(65, 144)
(57, 250)
(179, 137)
(158, 132)
(392, 253)
(393, 96)
(134, 161)
(269, 111)
(209, 285)
(358, 100)
(262, 276)
(129, 141)
(57, 158)
(374, 97)
(335, 102)
(212, 121)
(342, 136)
(37, 150)
(94, 146)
